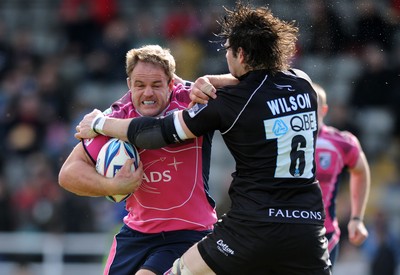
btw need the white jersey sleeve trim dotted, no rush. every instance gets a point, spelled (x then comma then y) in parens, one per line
(301, 74)
(178, 127)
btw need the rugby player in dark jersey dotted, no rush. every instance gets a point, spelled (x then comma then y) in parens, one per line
(269, 123)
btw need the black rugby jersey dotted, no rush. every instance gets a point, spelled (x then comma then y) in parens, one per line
(269, 124)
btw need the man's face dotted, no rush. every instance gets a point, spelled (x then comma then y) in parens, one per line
(235, 64)
(150, 88)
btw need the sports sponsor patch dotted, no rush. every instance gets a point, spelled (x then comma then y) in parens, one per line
(325, 160)
(279, 127)
(171, 111)
(196, 109)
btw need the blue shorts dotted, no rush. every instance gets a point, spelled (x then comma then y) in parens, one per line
(247, 247)
(133, 250)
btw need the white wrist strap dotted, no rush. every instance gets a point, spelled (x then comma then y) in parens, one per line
(98, 124)
(178, 127)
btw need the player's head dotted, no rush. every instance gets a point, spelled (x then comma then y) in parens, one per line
(322, 103)
(150, 70)
(258, 39)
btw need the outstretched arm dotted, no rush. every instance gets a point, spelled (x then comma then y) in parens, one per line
(96, 120)
(143, 132)
(359, 192)
(204, 87)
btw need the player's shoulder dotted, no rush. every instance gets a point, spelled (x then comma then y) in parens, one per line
(121, 108)
(343, 136)
(299, 74)
(180, 94)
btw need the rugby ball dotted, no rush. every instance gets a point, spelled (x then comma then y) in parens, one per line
(112, 157)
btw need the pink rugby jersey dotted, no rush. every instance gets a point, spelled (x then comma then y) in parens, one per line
(335, 151)
(173, 194)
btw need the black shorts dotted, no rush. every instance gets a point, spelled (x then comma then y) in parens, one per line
(248, 247)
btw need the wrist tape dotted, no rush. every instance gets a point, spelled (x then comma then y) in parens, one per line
(98, 124)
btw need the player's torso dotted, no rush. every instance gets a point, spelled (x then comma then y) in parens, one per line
(273, 125)
(330, 163)
(270, 126)
(172, 195)
(334, 152)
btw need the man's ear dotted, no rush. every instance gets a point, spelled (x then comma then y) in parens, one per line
(241, 54)
(171, 84)
(128, 82)
(325, 109)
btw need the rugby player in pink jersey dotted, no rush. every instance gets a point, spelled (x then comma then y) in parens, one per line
(170, 208)
(337, 151)
(268, 121)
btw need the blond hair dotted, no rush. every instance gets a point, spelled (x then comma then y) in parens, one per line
(154, 54)
(321, 94)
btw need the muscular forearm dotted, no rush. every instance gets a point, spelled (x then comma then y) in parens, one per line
(359, 187)
(84, 181)
(222, 80)
(359, 196)
(117, 128)
(80, 177)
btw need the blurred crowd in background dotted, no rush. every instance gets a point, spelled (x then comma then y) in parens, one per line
(59, 59)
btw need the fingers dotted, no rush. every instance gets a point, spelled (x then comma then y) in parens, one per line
(128, 165)
(208, 89)
(78, 136)
(357, 233)
(203, 94)
(140, 167)
(357, 239)
(202, 91)
(84, 128)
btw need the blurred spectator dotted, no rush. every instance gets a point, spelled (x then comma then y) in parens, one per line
(213, 60)
(182, 21)
(382, 246)
(23, 52)
(77, 214)
(372, 26)
(25, 127)
(36, 201)
(373, 97)
(188, 54)
(5, 51)
(51, 90)
(182, 29)
(394, 76)
(104, 61)
(145, 29)
(83, 20)
(327, 35)
(7, 222)
(340, 117)
(372, 88)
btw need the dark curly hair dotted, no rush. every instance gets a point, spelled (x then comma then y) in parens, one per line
(268, 42)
